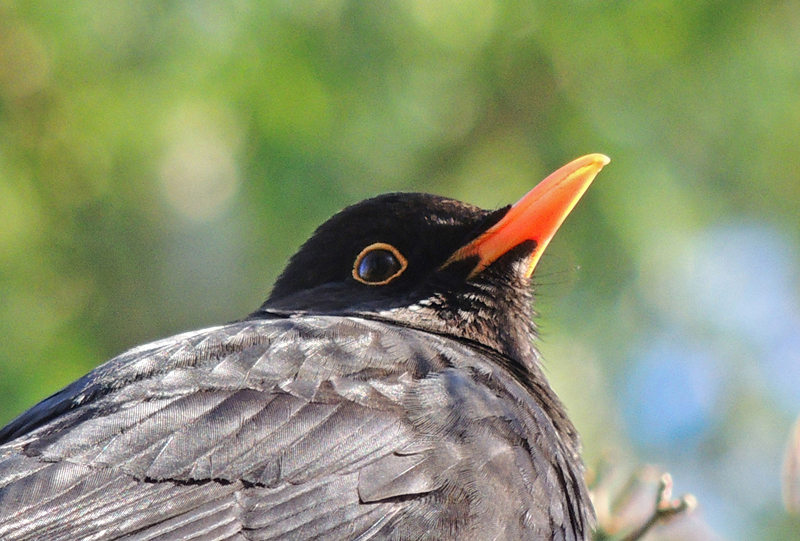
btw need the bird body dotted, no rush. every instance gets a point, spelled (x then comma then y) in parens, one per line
(358, 431)
(386, 390)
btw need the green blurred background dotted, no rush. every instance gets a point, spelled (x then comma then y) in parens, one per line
(160, 161)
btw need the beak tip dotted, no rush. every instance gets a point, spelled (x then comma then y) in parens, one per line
(600, 159)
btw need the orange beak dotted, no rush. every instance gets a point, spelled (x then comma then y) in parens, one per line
(536, 217)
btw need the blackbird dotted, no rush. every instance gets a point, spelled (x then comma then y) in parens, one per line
(387, 389)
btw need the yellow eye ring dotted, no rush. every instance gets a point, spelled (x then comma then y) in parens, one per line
(378, 264)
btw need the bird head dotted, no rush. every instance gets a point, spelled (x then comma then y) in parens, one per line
(433, 263)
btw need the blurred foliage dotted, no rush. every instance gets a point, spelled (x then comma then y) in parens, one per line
(159, 161)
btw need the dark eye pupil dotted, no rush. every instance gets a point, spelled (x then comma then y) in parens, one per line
(378, 265)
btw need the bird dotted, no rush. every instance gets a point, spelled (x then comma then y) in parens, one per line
(389, 388)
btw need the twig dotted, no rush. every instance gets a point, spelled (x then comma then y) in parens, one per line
(666, 508)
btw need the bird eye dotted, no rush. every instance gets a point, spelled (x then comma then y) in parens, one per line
(379, 264)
